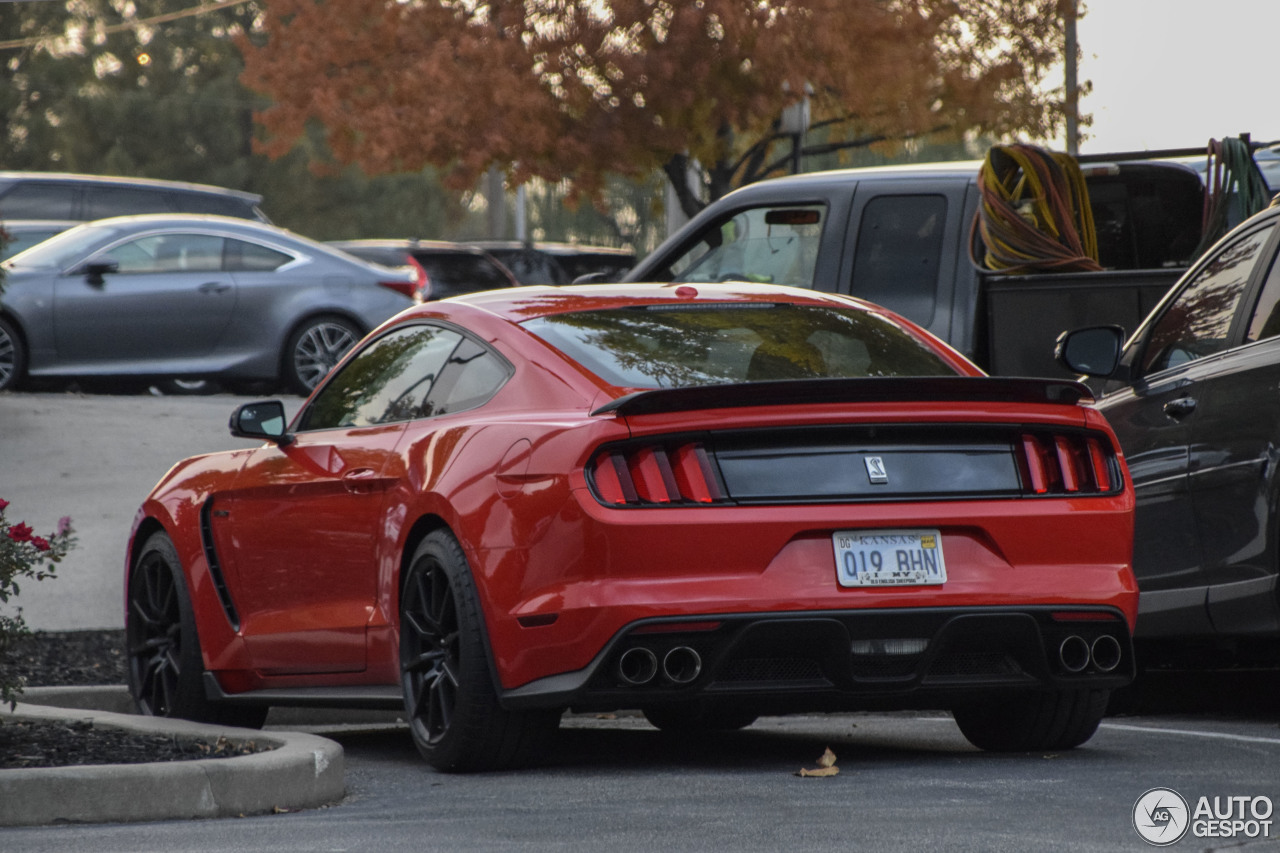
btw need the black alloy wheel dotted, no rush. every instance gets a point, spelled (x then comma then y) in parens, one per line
(165, 667)
(455, 718)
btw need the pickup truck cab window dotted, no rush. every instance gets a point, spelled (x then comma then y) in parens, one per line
(899, 253)
(775, 245)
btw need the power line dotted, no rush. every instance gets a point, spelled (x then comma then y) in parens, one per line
(140, 22)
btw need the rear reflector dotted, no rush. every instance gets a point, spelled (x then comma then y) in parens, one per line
(1083, 616)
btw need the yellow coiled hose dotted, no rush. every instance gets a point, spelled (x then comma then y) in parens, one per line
(1035, 213)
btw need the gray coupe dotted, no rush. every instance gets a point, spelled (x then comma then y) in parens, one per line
(186, 296)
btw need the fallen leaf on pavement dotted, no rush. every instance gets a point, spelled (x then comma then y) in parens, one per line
(826, 766)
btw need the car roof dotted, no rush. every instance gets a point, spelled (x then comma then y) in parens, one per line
(7, 177)
(196, 220)
(526, 303)
(15, 225)
(409, 245)
(551, 248)
(957, 168)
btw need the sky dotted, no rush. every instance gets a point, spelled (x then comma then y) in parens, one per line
(1176, 73)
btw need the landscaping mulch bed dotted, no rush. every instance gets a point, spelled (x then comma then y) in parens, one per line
(62, 659)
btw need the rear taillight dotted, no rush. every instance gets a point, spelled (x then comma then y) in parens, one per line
(422, 282)
(1068, 463)
(419, 290)
(655, 475)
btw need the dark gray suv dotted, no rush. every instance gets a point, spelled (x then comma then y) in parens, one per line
(51, 195)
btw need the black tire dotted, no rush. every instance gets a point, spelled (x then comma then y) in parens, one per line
(1033, 722)
(13, 357)
(313, 349)
(699, 717)
(449, 694)
(188, 387)
(165, 667)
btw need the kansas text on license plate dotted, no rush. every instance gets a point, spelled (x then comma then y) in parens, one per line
(889, 557)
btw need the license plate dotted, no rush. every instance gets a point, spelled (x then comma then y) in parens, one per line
(889, 557)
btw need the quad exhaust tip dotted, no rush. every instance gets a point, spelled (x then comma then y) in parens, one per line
(639, 666)
(1076, 654)
(682, 665)
(1105, 653)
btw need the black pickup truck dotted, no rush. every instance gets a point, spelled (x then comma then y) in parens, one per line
(905, 237)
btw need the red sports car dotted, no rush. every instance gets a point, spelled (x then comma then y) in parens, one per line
(707, 503)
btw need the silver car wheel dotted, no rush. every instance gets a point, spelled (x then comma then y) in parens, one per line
(317, 348)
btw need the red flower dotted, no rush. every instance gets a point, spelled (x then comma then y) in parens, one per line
(4, 504)
(40, 542)
(20, 533)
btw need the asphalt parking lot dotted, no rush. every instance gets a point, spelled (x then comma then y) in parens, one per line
(94, 457)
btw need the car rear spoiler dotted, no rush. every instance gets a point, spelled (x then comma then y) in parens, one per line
(871, 390)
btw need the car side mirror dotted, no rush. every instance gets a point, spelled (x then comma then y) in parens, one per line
(1093, 351)
(264, 420)
(96, 268)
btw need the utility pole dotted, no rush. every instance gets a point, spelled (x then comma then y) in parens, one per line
(1072, 88)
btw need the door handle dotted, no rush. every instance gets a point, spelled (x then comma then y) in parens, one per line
(1180, 407)
(214, 287)
(358, 479)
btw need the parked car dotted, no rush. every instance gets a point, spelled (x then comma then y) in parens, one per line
(559, 263)
(56, 195)
(446, 269)
(1193, 396)
(705, 502)
(194, 297)
(22, 234)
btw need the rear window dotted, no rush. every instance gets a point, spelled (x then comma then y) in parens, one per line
(675, 346)
(454, 273)
(772, 245)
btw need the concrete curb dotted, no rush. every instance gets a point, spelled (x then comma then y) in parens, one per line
(302, 771)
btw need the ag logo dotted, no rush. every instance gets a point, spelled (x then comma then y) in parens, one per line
(1161, 817)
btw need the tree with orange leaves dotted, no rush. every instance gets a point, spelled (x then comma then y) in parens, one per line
(578, 89)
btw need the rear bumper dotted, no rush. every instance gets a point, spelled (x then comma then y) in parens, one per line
(835, 660)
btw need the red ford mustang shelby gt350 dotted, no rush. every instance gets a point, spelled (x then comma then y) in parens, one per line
(706, 503)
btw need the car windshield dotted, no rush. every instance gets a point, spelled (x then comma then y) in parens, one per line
(674, 346)
(62, 249)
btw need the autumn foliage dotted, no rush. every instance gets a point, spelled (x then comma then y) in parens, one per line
(581, 88)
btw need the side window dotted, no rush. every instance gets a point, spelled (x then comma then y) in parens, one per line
(473, 375)
(39, 201)
(250, 257)
(899, 253)
(101, 202)
(1266, 316)
(387, 381)
(778, 245)
(169, 253)
(1198, 322)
